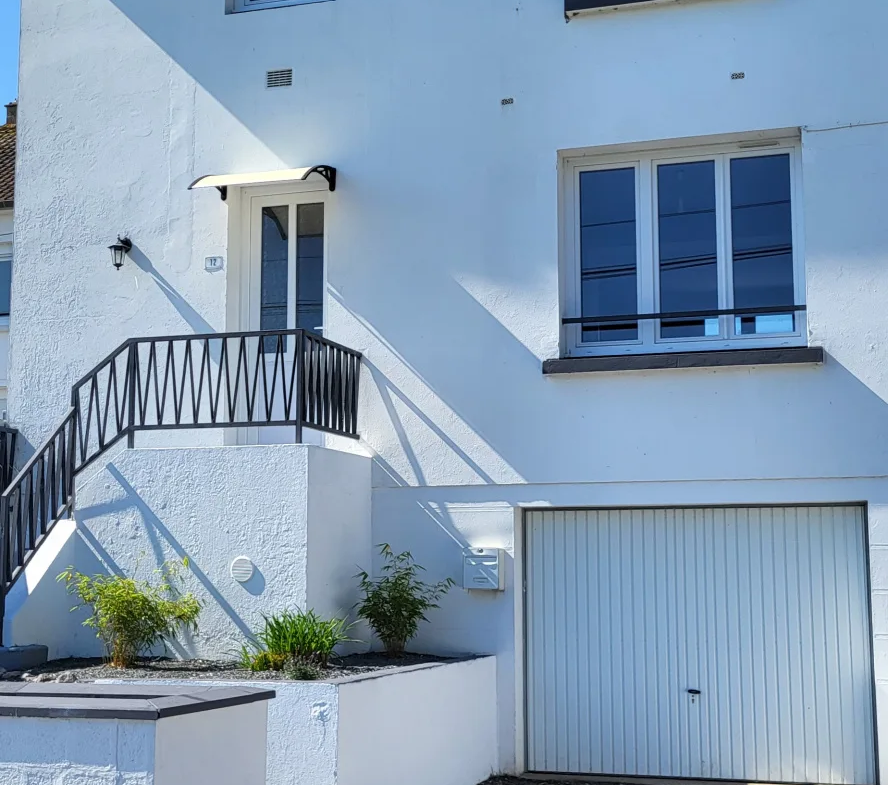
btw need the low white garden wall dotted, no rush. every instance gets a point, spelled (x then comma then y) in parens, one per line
(423, 725)
(139, 735)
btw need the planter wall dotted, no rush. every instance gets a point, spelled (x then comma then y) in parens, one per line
(132, 735)
(424, 725)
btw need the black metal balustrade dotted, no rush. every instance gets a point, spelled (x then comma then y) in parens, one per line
(257, 379)
(8, 440)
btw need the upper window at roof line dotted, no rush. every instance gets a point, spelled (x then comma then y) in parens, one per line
(575, 7)
(694, 233)
(237, 6)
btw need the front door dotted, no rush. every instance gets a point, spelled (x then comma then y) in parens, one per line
(286, 279)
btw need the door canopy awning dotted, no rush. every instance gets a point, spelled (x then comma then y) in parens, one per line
(223, 181)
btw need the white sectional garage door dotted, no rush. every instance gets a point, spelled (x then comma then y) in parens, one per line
(724, 643)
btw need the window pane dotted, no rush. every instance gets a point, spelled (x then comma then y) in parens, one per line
(5, 284)
(761, 220)
(609, 266)
(273, 288)
(310, 267)
(688, 246)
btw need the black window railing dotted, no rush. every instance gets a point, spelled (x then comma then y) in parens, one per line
(627, 318)
(219, 380)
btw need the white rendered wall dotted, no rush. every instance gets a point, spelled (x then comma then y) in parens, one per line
(38, 607)
(443, 245)
(150, 506)
(221, 747)
(39, 751)
(431, 726)
(302, 732)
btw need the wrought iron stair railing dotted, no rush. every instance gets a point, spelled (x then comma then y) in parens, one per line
(8, 441)
(285, 378)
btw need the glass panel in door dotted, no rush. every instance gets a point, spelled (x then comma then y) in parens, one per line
(274, 271)
(288, 292)
(310, 267)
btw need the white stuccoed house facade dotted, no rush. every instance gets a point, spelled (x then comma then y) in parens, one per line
(694, 507)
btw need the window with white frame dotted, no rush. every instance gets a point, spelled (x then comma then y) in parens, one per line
(5, 281)
(235, 6)
(683, 250)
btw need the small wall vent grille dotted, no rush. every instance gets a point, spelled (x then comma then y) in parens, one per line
(281, 77)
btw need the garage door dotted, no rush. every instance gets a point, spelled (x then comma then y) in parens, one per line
(720, 643)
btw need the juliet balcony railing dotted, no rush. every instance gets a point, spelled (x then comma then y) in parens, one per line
(257, 379)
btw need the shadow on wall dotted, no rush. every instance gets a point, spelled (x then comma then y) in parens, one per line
(477, 307)
(194, 320)
(162, 542)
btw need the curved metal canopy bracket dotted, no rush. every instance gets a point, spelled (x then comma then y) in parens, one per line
(327, 172)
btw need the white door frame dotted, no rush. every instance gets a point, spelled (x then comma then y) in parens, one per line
(247, 272)
(244, 271)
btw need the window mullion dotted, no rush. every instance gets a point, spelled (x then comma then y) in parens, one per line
(647, 262)
(723, 243)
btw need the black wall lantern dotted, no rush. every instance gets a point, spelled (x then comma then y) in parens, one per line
(119, 250)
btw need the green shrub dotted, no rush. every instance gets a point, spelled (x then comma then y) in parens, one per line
(297, 642)
(257, 661)
(130, 616)
(303, 635)
(395, 603)
(304, 671)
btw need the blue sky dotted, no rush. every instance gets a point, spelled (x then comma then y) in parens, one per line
(9, 39)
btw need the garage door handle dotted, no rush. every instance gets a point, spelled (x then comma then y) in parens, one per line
(693, 692)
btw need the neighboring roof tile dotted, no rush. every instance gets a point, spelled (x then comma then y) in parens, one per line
(7, 164)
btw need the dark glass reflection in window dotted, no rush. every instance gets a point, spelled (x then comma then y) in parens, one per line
(761, 222)
(5, 285)
(310, 267)
(609, 260)
(274, 273)
(688, 247)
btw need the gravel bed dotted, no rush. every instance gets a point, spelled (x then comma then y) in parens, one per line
(87, 670)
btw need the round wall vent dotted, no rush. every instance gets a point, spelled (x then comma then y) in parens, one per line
(242, 569)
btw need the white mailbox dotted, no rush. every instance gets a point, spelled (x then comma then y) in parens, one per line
(484, 569)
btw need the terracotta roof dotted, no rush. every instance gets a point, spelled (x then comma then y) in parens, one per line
(7, 164)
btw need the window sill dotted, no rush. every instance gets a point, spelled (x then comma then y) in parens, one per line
(798, 355)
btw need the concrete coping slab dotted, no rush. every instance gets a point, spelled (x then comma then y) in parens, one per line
(121, 701)
(22, 658)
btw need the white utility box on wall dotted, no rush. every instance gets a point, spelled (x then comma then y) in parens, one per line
(484, 569)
